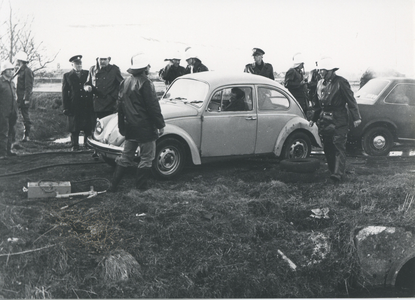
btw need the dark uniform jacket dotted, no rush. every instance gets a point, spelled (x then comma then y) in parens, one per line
(293, 79)
(77, 103)
(170, 72)
(198, 67)
(8, 104)
(264, 69)
(139, 112)
(335, 97)
(25, 80)
(105, 84)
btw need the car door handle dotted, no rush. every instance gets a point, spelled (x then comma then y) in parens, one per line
(250, 118)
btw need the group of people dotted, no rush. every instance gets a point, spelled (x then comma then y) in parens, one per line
(102, 90)
(12, 99)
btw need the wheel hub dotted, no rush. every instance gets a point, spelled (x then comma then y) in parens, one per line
(379, 142)
(168, 159)
(297, 150)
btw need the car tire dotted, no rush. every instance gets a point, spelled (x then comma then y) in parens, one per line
(300, 165)
(170, 158)
(377, 141)
(297, 145)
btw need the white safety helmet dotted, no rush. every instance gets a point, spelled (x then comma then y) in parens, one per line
(139, 61)
(21, 56)
(190, 53)
(6, 65)
(326, 63)
(297, 60)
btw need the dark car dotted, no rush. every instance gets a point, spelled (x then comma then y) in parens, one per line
(387, 107)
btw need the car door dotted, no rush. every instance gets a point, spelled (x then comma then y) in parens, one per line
(273, 114)
(229, 132)
(400, 106)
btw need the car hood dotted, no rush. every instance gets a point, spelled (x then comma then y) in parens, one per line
(177, 109)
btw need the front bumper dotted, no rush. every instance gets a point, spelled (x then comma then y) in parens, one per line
(106, 150)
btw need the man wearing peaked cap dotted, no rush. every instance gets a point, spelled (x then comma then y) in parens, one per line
(25, 80)
(140, 121)
(77, 103)
(8, 109)
(259, 67)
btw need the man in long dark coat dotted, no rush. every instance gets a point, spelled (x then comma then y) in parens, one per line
(140, 121)
(77, 103)
(8, 110)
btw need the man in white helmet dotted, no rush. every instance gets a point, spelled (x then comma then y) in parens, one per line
(8, 109)
(194, 64)
(103, 81)
(334, 102)
(139, 120)
(172, 70)
(25, 79)
(296, 83)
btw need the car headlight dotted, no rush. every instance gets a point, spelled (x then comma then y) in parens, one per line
(98, 127)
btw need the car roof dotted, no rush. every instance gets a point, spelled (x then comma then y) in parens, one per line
(396, 79)
(218, 78)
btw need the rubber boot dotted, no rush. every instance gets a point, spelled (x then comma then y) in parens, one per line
(337, 175)
(116, 178)
(142, 177)
(75, 142)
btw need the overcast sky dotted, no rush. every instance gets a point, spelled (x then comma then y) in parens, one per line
(357, 33)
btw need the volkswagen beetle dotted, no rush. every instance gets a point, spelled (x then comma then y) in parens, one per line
(200, 126)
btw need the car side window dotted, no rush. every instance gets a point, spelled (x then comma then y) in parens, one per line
(237, 98)
(271, 99)
(402, 94)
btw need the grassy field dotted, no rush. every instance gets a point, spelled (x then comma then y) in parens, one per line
(222, 230)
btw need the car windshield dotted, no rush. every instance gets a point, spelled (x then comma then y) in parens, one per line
(188, 91)
(371, 90)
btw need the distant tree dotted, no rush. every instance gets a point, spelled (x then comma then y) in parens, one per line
(367, 75)
(17, 36)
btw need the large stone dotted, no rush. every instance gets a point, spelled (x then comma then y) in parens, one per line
(382, 252)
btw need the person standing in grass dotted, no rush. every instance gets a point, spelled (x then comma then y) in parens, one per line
(296, 83)
(8, 110)
(259, 67)
(334, 102)
(103, 82)
(25, 79)
(77, 103)
(140, 121)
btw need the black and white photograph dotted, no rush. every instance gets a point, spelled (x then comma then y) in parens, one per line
(207, 149)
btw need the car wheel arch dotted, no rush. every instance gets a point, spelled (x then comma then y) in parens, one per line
(172, 131)
(391, 126)
(296, 124)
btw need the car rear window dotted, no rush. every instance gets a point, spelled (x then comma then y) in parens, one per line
(371, 91)
(188, 91)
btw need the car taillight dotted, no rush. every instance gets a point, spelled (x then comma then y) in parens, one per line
(98, 127)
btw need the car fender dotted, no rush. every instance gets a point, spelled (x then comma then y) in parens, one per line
(173, 130)
(292, 125)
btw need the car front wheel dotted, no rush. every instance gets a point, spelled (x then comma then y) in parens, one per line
(377, 141)
(170, 158)
(297, 145)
